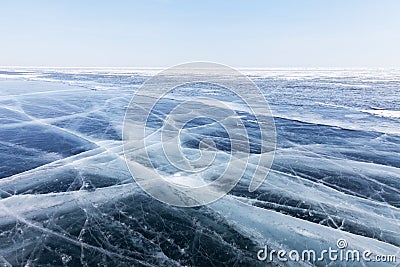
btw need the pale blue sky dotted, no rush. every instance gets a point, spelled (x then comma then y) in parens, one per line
(159, 33)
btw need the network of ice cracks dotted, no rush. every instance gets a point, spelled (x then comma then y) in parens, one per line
(68, 199)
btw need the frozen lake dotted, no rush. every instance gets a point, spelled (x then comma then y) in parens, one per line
(67, 197)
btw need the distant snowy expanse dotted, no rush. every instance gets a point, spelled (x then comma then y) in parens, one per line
(68, 199)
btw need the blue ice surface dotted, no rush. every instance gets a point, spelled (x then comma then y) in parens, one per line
(67, 197)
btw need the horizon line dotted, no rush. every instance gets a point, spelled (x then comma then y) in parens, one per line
(165, 67)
